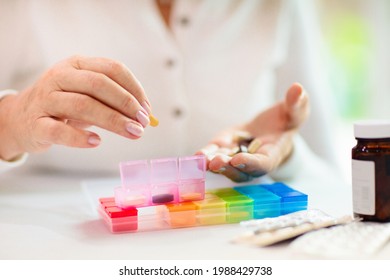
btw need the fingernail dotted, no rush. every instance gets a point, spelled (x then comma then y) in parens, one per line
(300, 98)
(134, 129)
(142, 118)
(222, 169)
(94, 140)
(240, 166)
(146, 106)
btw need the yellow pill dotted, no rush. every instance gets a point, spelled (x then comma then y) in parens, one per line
(254, 146)
(191, 196)
(153, 120)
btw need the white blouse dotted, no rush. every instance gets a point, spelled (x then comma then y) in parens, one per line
(221, 63)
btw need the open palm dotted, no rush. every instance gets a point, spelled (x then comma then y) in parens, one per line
(273, 129)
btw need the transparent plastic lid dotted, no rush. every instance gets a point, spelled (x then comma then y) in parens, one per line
(134, 173)
(192, 167)
(164, 170)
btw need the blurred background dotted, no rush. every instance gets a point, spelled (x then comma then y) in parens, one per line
(357, 40)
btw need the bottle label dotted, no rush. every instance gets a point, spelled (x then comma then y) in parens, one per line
(363, 187)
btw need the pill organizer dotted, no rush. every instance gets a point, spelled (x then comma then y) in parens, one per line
(161, 181)
(218, 206)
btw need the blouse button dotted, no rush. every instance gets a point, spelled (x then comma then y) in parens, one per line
(184, 21)
(170, 63)
(177, 112)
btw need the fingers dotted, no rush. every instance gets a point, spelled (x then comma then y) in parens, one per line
(297, 105)
(76, 93)
(218, 162)
(116, 71)
(79, 108)
(243, 166)
(102, 88)
(255, 165)
(221, 159)
(221, 164)
(50, 131)
(269, 143)
(267, 157)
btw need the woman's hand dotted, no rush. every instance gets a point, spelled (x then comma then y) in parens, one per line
(74, 94)
(272, 133)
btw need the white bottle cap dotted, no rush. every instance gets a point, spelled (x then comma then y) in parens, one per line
(372, 129)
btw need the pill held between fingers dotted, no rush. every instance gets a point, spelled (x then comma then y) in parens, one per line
(153, 120)
(254, 146)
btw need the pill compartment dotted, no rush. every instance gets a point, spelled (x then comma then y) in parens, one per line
(161, 181)
(192, 172)
(135, 189)
(164, 181)
(291, 199)
(239, 207)
(211, 210)
(150, 218)
(134, 173)
(116, 218)
(265, 203)
(127, 198)
(182, 214)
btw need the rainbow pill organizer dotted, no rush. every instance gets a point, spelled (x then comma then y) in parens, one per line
(217, 206)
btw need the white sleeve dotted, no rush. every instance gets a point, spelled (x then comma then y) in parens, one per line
(6, 165)
(6, 92)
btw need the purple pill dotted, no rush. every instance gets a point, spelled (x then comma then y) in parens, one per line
(162, 198)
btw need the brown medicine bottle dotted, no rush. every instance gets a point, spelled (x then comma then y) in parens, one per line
(371, 171)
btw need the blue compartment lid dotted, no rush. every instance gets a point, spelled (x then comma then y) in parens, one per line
(259, 194)
(286, 193)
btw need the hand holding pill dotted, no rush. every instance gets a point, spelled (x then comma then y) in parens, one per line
(74, 94)
(258, 147)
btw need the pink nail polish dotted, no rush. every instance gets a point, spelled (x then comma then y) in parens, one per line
(146, 106)
(94, 140)
(134, 129)
(142, 118)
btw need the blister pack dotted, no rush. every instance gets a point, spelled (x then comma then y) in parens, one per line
(269, 231)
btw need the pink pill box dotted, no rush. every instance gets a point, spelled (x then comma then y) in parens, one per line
(161, 181)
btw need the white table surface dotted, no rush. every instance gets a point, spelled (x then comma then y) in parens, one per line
(51, 215)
